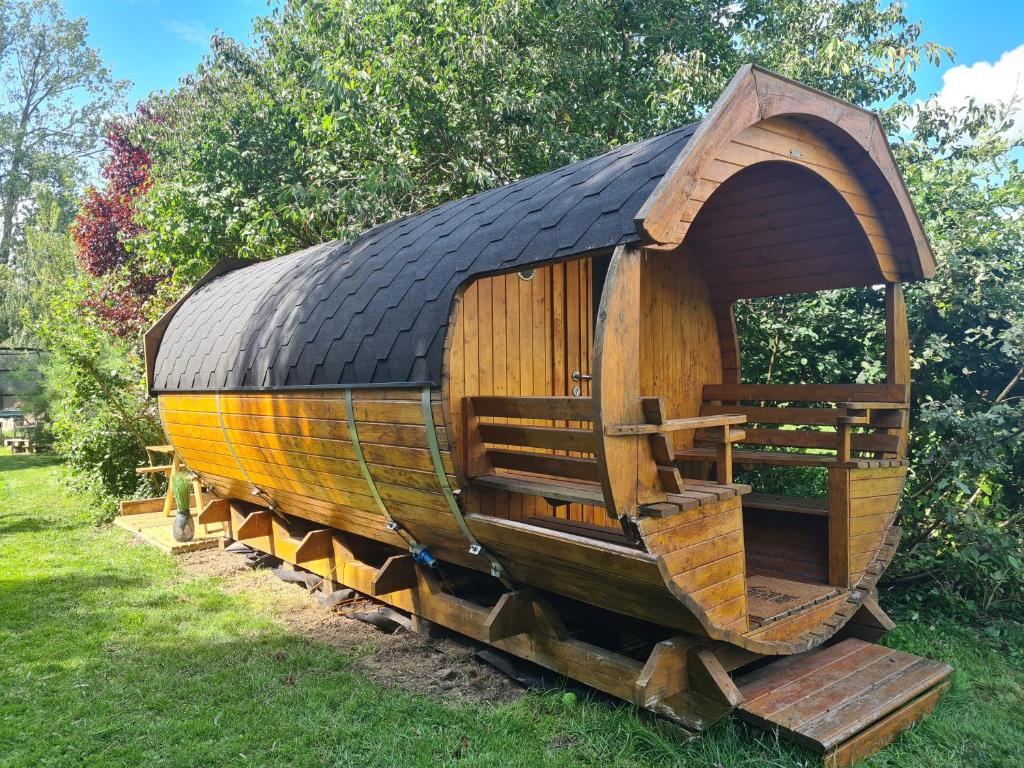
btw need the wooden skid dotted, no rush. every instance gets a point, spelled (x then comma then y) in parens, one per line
(845, 701)
(683, 679)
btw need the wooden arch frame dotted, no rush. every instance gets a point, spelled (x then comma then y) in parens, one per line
(755, 95)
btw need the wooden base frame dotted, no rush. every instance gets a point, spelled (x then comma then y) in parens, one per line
(684, 678)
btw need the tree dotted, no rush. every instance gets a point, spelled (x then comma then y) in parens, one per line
(105, 227)
(46, 260)
(57, 96)
(345, 114)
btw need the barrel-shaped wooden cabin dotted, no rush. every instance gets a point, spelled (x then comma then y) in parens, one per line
(540, 384)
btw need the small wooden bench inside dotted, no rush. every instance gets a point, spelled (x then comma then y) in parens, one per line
(542, 450)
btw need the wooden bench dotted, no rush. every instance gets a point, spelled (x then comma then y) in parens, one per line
(827, 422)
(797, 504)
(555, 460)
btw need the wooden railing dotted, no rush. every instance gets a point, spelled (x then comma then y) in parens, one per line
(843, 408)
(541, 449)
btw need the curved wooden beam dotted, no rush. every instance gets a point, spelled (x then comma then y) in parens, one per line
(626, 465)
(753, 96)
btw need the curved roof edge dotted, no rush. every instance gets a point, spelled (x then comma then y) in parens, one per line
(375, 311)
(755, 94)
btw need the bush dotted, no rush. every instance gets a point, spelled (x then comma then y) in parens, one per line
(99, 415)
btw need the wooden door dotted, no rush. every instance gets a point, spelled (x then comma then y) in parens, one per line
(574, 324)
(525, 334)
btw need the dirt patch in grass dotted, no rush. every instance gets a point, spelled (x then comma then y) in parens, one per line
(441, 665)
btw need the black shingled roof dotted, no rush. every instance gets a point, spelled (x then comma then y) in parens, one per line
(375, 310)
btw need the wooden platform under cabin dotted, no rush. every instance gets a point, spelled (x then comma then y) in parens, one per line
(145, 519)
(845, 701)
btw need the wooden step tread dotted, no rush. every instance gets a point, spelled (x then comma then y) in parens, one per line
(781, 458)
(846, 700)
(775, 503)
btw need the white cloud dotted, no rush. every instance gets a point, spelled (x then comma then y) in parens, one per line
(985, 82)
(191, 31)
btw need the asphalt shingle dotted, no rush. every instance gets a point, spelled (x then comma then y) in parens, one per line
(375, 310)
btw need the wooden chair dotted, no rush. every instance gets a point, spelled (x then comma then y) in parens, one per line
(169, 469)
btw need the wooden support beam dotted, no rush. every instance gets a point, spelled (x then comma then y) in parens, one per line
(512, 615)
(709, 679)
(665, 673)
(315, 545)
(839, 527)
(723, 457)
(397, 573)
(215, 511)
(255, 525)
(869, 623)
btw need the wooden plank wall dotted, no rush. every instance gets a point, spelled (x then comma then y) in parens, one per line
(523, 337)
(862, 506)
(296, 448)
(679, 350)
(700, 553)
(776, 230)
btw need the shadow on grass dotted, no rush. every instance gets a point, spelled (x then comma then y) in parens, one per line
(12, 462)
(23, 524)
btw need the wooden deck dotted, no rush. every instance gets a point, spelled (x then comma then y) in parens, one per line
(846, 701)
(154, 528)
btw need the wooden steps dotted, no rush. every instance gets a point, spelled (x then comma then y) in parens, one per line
(845, 701)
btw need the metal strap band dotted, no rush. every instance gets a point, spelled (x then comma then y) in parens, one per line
(231, 448)
(475, 546)
(353, 436)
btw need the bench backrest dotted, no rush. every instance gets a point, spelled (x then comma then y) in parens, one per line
(877, 409)
(531, 431)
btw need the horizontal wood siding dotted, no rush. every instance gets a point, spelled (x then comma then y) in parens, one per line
(874, 498)
(701, 556)
(295, 447)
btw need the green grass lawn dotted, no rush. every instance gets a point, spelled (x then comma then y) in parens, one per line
(110, 655)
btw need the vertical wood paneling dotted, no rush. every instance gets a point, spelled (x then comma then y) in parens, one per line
(524, 337)
(679, 346)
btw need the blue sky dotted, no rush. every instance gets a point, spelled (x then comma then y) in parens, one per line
(154, 42)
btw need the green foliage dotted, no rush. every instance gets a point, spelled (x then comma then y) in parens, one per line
(45, 259)
(347, 113)
(965, 504)
(181, 487)
(95, 403)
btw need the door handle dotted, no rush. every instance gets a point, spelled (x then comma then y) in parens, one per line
(577, 376)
